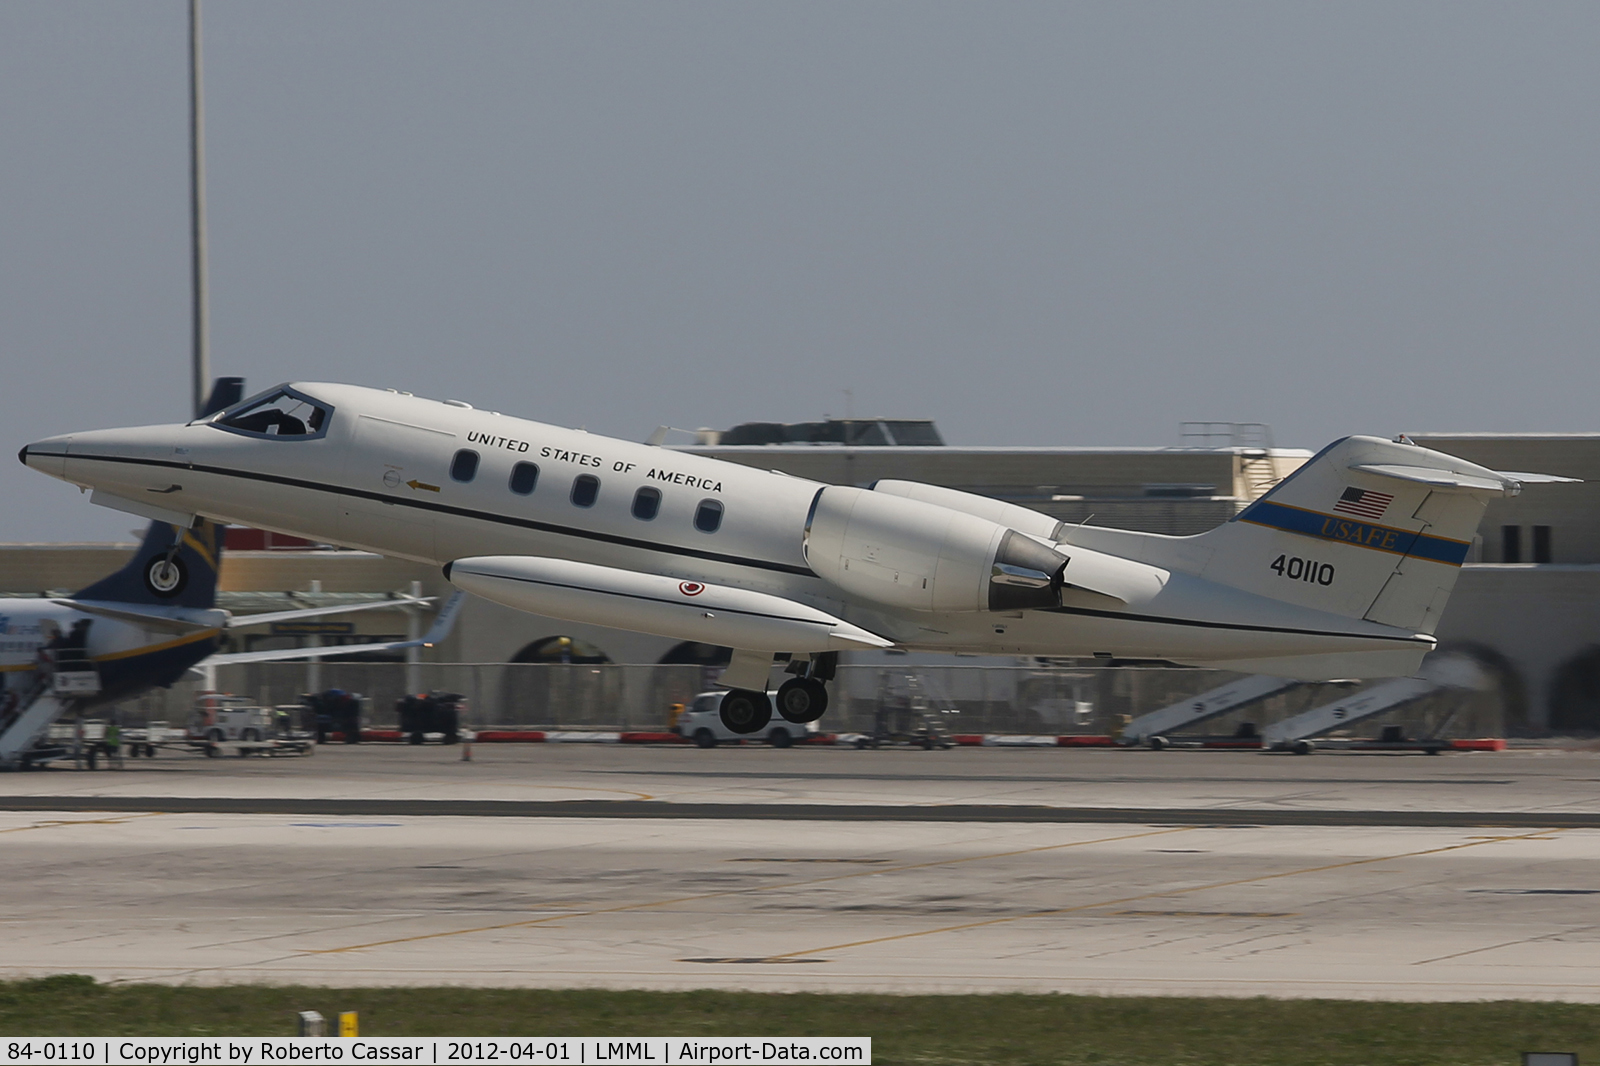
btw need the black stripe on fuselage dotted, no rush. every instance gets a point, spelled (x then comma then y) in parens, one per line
(460, 512)
(1157, 619)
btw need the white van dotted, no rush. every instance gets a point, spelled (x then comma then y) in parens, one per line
(701, 722)
(220, 718)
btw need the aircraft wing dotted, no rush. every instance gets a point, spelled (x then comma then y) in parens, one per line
(442, 624)
(239, 621)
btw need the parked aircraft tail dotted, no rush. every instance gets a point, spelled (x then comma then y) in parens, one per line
(174, 567)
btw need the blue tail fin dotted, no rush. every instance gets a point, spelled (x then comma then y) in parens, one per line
(159, 576)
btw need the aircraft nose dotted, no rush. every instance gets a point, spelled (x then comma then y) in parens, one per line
(48, 456)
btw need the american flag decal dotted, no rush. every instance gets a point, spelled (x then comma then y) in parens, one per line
(1364, 503)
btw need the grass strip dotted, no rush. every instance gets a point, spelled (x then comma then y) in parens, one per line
(1010, 1028)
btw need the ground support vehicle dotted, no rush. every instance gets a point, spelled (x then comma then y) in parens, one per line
(224, 724)
(437, 713)
(907, 714)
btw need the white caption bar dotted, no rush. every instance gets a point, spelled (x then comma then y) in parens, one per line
(560, 1051)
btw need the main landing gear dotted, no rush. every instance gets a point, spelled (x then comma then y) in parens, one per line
(801, 699)
(744, 711)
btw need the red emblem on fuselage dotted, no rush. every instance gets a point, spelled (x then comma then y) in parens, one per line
(691, 588)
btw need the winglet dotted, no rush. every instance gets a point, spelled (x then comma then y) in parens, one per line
(444, 621)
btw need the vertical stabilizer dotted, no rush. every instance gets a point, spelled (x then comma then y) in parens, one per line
(1368, 528)
(161, 576)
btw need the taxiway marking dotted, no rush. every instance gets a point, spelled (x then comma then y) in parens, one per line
(1144, 896)
(873, 871)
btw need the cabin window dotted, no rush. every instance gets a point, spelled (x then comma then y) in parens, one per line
(708, 516)
(585, 490)
(464, 467)
(282, 414)
(646, 504)
(524, 476)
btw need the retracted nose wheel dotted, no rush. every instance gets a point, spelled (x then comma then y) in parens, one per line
(802, 699)
(744, 711)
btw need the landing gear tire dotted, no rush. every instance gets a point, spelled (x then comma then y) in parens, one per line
(1159, 743)
(1301, 747)
(802, 700)
(780, 738)
(744, 711)
(212, 751)
(705, 738)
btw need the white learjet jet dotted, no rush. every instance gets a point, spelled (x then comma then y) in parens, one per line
(1342, 570)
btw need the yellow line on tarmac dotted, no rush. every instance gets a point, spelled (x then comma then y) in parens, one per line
(871, 871)
(56, 823)
(1153, 895)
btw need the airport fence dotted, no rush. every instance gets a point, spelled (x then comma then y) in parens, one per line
(1039, 699)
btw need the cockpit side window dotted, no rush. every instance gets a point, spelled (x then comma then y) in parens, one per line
(282, 414)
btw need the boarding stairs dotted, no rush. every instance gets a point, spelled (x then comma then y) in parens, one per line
(1368, 703)
(1258, 473)
(1184, 714)
(54, 692)
(1256, 468)
(1440, 671)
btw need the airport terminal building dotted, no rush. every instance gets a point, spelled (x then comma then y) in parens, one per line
(1527, 606)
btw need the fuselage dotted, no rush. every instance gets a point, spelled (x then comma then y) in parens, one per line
(436, 482)
(129, 657)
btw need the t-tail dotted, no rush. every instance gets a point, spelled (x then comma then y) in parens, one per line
(1367, 529)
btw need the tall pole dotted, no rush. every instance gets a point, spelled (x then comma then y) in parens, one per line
(197, 215)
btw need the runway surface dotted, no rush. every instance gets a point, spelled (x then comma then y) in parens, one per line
(821, 812)
(979, 869)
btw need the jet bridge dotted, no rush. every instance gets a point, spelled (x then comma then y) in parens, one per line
(1152, 728)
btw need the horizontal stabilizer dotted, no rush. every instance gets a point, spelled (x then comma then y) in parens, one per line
(1498, 482)
(1539, 479)
(1445, 480)
(170, 621)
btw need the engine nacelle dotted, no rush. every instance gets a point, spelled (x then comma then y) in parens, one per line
(922, 557)
(1010, 515)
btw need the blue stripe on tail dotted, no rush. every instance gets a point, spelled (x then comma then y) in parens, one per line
(1349, 531)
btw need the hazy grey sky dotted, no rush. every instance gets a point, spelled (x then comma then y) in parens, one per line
(1052, 223)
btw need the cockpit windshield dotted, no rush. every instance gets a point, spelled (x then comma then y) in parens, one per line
(282, 414)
